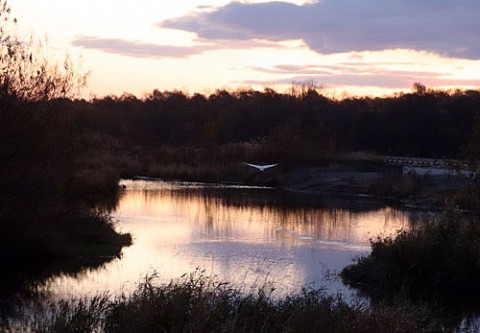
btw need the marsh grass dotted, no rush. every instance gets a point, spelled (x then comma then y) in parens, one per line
(197, 303)
(397, 185)
(67, 315)
(439, 262)
(57, 232)
(467, 197)
(223, 163)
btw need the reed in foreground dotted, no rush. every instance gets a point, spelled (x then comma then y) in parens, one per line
(201, 304)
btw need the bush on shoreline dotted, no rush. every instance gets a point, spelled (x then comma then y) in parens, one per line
(438, 261)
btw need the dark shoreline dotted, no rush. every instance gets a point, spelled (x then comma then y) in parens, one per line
(412, 191)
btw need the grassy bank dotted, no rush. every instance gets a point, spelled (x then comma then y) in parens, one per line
(195, 163)
(52, 234)
(439, 262)
(49, 200)
(199, 304)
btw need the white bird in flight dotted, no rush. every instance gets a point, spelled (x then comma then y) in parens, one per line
(261, 167)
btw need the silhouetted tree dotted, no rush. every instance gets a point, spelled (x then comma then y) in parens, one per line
(26, 73)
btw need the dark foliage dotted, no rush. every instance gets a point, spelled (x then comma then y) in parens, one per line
(46, 209)
(198, 304)
(428, 124)
(437, 262)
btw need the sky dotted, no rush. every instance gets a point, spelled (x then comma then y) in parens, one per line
(345, 47)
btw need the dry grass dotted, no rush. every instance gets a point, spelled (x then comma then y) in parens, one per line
(440, 262)
(200, 304)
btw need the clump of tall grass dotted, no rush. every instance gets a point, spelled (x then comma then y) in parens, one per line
(397, 185)
(439, 260)
(466, 197)
(362, 160)
(205, 172)
(191, 163)
(73, 316)
(89, 183)
(201, 304)
(59, 232)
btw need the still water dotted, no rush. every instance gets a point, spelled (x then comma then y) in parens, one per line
(249, 236)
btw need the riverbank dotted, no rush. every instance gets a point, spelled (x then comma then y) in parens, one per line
(423, 191)
(369, 178)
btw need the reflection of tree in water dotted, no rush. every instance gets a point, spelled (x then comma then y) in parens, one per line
(223, 210)
(307, 215)
(23, 282)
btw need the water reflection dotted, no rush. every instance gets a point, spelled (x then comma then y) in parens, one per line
(25, 282)
(259, 215)
(244, 235)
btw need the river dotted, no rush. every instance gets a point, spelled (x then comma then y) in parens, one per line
(248, 236)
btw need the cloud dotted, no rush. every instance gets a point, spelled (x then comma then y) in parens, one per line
(139, 49)
(149, 50)
(446, 27)
(356, 75)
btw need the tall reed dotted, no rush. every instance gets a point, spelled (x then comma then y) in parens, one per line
(197, 303)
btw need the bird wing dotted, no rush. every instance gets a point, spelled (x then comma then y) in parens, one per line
(269, 166)
(261, 167)
(253, 165)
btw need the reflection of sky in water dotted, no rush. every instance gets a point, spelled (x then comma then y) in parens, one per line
(247, 236)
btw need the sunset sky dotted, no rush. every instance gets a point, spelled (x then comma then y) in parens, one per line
(361, 47)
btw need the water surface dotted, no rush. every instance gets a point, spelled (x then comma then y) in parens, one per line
(248, 236)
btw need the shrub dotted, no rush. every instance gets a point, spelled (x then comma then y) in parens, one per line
(438, 260)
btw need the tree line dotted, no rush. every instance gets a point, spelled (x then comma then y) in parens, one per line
(425, 123)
